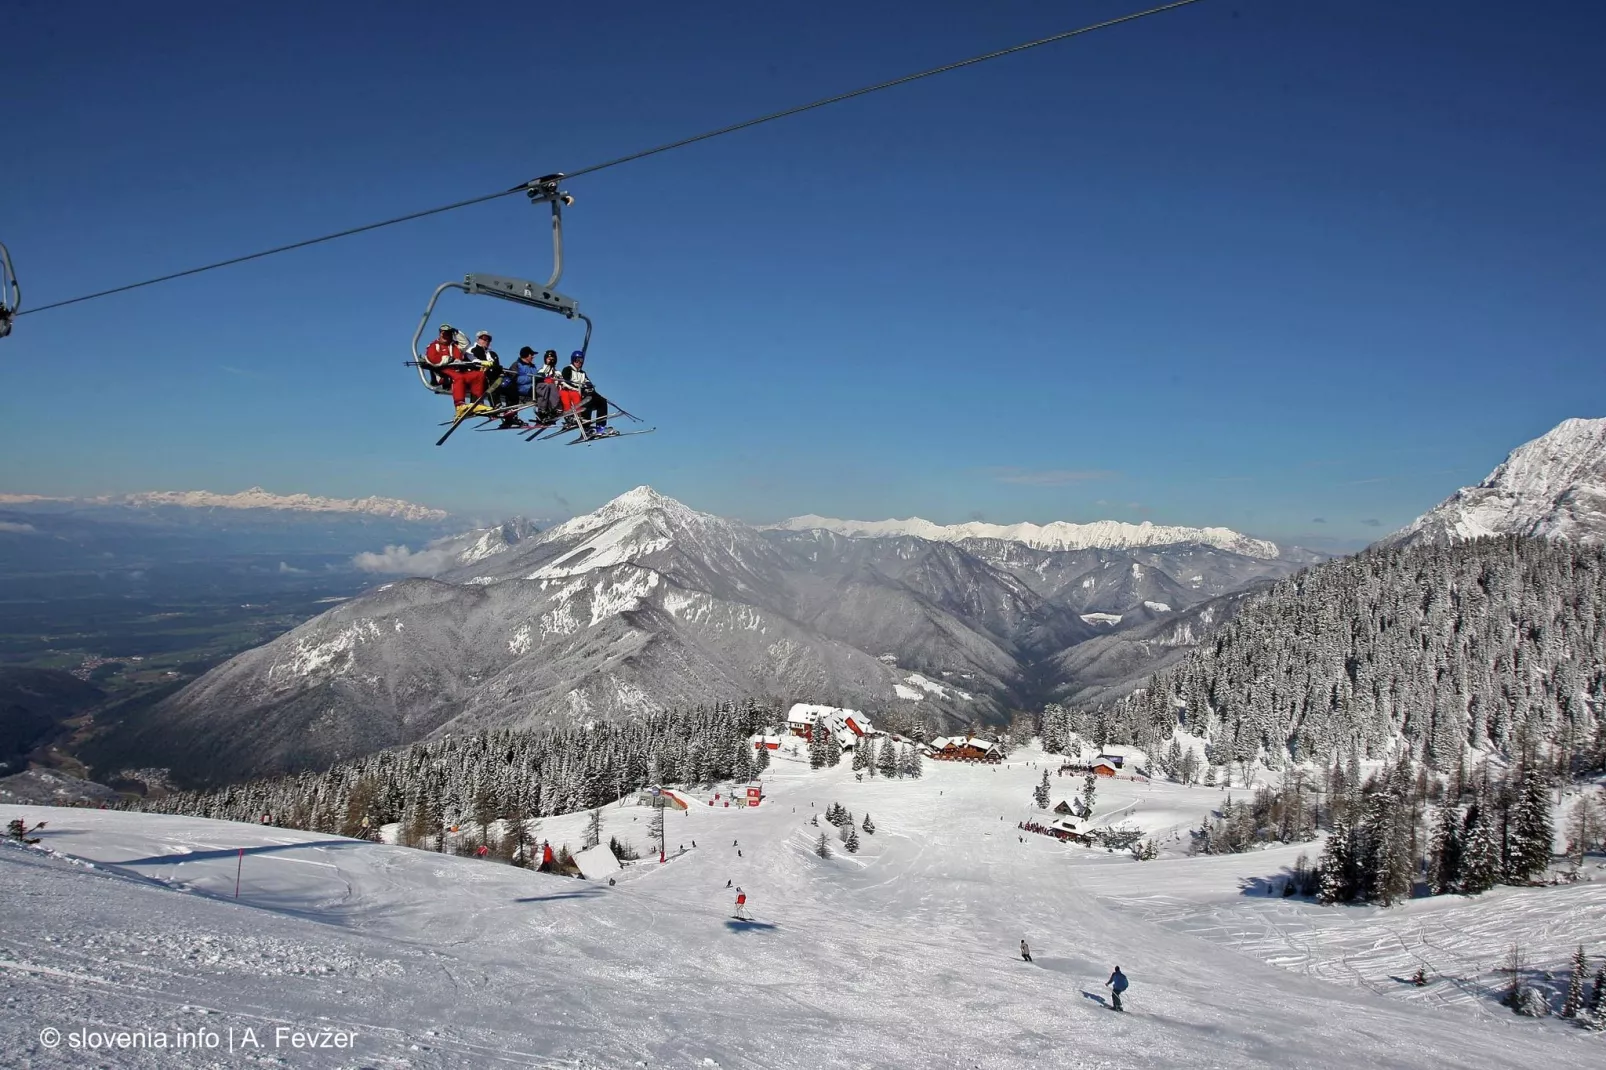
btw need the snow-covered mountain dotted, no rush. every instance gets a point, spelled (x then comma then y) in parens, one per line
(1059, 535)
(257, 498)
(1553, 487)
(647, 604)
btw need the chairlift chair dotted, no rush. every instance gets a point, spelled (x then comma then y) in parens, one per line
(8, 285)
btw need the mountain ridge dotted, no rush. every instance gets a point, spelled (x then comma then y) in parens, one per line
(1551, 487)
(1056, 535)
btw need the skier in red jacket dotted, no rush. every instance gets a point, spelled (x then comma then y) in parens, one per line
(741, 904)
(449, 361)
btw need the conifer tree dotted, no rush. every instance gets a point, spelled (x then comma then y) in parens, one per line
(869, 826)
(833, 751)
(1090, 789)
(1444, 856)
(861, 758)
(593, 834)
(821, 847)
(1574, 1003)
(852, 841)
(916, 763)
(818, 734)
(1597, 995)
(1480, 851)
(1040, 794)
(1337, 866)
(1529, 853)
(887, 758)
(761, 760)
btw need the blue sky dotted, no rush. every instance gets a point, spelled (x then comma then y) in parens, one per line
(1296, 268)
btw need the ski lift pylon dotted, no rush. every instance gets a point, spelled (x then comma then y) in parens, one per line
(8, 285)
(543, 296)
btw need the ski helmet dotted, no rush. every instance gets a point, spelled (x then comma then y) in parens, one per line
(578, 354)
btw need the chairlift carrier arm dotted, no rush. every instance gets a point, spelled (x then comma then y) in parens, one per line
(520, 291)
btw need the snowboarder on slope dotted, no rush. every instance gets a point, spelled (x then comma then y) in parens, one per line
(1117, 984)
(1025, 951)
(741, 904)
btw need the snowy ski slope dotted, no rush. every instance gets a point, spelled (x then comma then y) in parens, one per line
(902, 956)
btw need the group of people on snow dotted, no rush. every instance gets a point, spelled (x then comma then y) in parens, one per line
(480, 384)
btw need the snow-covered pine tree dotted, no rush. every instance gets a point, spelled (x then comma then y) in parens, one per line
(1338, 866)
(861, 757)
(833, 751)
(1575, 985)
(916, 765)
(818, 734)
(1480, 851)
(1444, 854)
(1040, 793)
(655, 828)
(1090, 791)
(593, 835)
(1530, 830)
(1597, 997)
(869, 826)
(887, 758)
(852, 842)
(821, 847)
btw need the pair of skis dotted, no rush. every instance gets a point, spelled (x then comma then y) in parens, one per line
(565, 424)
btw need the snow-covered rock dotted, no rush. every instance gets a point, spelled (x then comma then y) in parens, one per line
(1553, 488)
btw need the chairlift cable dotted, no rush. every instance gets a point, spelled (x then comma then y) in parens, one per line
(594, 168)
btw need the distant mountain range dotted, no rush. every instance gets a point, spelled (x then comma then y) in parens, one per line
(255, 498)
(646, 604)
(1103, 534)
(1552, 488)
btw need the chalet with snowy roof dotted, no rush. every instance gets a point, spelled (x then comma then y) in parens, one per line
(766, 742)
(1064, 808)
(966, 749)
(1103, 767)
(848, 726)
(1065, 831)
(1117, 760)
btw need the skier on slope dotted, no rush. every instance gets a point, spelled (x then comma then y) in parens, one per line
(741, 904)
(1025, 951)
(1117, 984)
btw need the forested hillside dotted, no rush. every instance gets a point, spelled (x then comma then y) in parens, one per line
(1476, 645)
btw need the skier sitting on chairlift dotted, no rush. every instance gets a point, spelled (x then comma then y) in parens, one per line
(447, 359)
(517, 387)
(592, 404)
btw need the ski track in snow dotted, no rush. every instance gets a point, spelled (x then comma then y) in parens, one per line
(903, 955)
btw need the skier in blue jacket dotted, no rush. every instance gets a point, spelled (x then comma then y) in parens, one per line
(1116, 984)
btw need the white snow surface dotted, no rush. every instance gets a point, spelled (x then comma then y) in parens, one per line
(1058, 535)
(903, 955)
(1553, 487)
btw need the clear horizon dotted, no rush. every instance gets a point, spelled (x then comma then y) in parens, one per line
(1301, 271)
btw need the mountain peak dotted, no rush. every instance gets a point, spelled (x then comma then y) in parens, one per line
(1553, 487)
(1058, 535)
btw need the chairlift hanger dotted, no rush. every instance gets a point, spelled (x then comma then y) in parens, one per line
(8, 283)
(541, 296)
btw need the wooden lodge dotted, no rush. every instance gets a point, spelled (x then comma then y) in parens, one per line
(966, 749)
